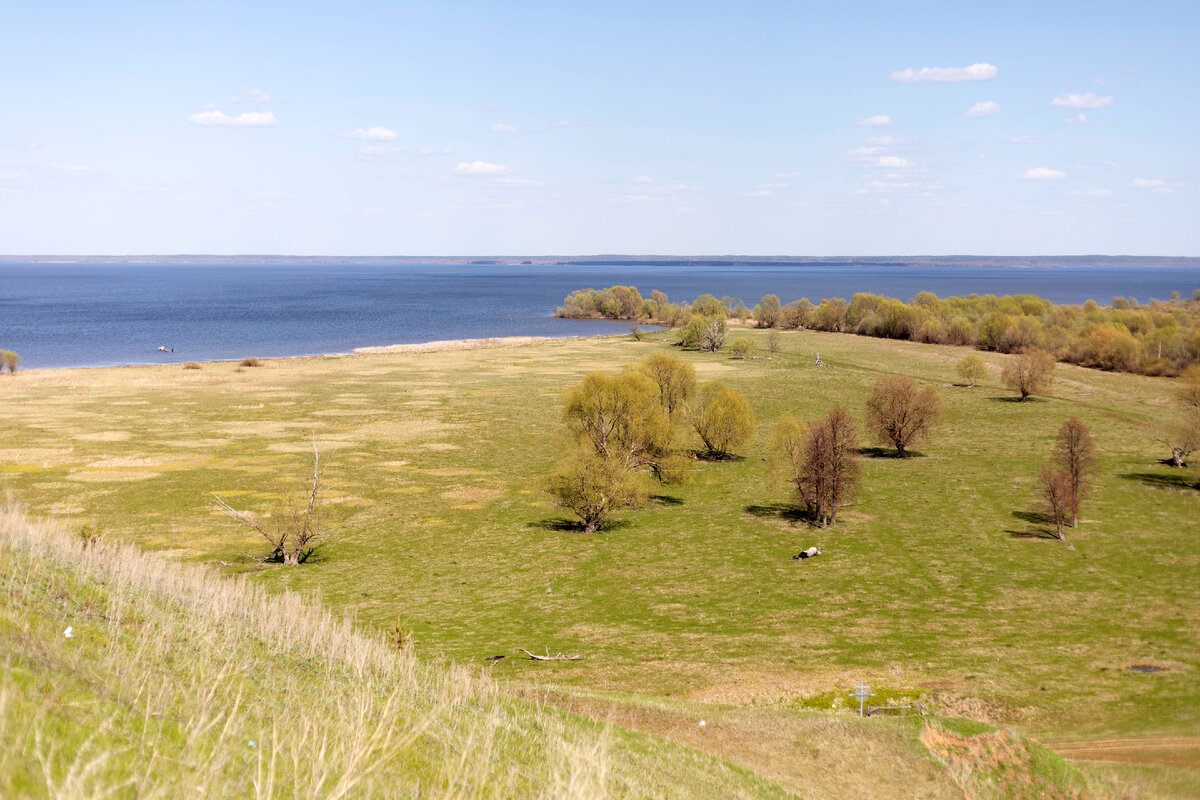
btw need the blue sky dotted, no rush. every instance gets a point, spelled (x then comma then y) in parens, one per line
(486, 128)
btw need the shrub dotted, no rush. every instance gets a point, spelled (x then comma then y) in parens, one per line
(592, 486)
(742, 347)
(971, 369)
(1030, 372)
(9, 359)
(250, 362)
(191, 365)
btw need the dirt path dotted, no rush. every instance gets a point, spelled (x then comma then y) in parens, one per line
(1159, 751)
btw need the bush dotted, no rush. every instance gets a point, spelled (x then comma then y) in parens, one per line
(592, 486)
(971, 369)
(9, 359)
(191, 365)
(901, 414)
(742, 347)
(1030, 372)
(250, 362)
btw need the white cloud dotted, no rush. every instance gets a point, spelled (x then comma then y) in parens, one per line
(642, 179)
(891, 162)
(376, 134)
(1100, 193)
(479, 168)
(251, 96)
(1087, 100)
(501, 128)
(864, 152)
(1030, 139)
(250, 119)
(982, 109)
(561, 123)
(1043, 174)
(884, 140)
(76, 168)
(975, 72)
(1156, 185)
(783, 176)
(1082, 119)
(877, 121)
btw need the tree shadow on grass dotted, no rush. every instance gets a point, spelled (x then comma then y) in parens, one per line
(1167, 481)
(1038, 526)
(888, 452)
(786, 511)
(704, 455)
(665, 500)
(566, 525)
(1008, 399)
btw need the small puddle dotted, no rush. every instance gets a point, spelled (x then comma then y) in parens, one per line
(1145, 668)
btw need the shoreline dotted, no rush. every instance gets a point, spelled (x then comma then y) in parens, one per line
(433, 346)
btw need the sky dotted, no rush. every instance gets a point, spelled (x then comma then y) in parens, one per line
(464, 128)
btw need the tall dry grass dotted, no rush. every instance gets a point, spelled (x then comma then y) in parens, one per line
(180, 681)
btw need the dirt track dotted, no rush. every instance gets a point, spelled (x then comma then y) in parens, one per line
(1162, 751)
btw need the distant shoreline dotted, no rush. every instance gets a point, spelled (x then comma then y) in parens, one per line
(633, 260)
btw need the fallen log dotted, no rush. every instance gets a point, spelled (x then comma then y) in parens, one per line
(548, 657)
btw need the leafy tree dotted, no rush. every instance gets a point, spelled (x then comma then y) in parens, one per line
(592, 486)
(1075, 457)
(722, 418)
(693, 332)
(831, 465)
(708, 306)
(900, 413)
(971, 369)
(766, 313)
(9, 359)
(1029, 372)
(676, 379)
(787, 450)
(742, 347)
(619, 417)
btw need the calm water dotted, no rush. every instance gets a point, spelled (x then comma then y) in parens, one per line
(60, 315)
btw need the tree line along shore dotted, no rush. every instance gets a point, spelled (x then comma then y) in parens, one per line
(1158, 338)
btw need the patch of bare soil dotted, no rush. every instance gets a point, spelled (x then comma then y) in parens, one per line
(993, 764)
(1154, 751)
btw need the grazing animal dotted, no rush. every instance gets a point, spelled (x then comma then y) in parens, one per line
(811, 552)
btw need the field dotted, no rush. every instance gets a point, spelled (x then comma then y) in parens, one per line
(935, 586)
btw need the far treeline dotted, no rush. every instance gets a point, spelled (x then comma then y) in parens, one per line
(1160, 338)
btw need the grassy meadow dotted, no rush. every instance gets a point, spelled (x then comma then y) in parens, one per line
(934, 586)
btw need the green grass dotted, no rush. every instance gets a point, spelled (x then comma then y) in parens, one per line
(930, 586)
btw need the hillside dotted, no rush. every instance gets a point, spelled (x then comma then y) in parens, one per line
(936, 586)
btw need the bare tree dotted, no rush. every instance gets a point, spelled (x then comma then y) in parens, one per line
(713, 335)
(295, 530)
(1075, 456)
(1183, 436)
(901, 414)
(1054, 489)
(773, 341)
(831, 465)
(1029, 372)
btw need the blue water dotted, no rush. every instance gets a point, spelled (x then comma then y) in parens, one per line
(68, 315)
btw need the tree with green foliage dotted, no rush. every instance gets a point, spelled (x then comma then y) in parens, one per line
(971, 369)
(1075, 457)
(901, 414)
(676, 380)
(831, 465)
(619, 417)
(723, 419)
(693, 332)
(767, 312)
(592, 486)
(9, 359)
(786, 451)
(1029, 372)
(742, 347)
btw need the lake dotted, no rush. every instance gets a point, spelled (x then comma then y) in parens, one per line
(84, 314)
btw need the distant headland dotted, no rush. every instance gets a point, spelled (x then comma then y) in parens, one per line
(637, 260)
